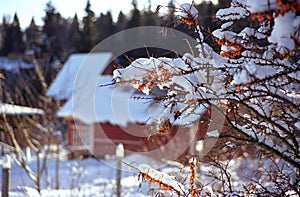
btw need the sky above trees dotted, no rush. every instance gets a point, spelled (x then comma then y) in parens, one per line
(31, 8)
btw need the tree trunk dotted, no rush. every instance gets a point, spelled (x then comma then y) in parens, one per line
(6, 176)
(38, 175)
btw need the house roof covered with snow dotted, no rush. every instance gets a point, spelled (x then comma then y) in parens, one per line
(95, 103)
(91, 64)
(80, 82)
(18, 110)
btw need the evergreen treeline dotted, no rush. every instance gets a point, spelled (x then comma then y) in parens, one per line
(59, 37)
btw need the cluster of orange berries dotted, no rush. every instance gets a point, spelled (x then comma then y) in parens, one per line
(189, 20)
(284, 5)
(287, 5)
(164, 127)
(236, 48)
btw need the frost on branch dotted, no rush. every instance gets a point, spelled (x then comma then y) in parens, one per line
(250, 74)
(188, 15)
(188, 10)
(284, 34)
(185, 81)
(256, 78)
(165, 181)
(262, 73)
(233, 14)
(144, 74)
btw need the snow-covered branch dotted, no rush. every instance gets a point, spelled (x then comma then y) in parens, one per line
(255, 77)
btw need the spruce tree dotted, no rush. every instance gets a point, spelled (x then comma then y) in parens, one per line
(56, 30)
(3, 29)
(149, 18)
(121, 22)
(135, 17)
(13, 38)
(88, 33)
(32, 36)
(74, 36)
(105, 26)
(18, 42)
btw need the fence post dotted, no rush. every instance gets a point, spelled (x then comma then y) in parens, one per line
(120, 155)
(6, 166)
(57, 166)
(199, 148)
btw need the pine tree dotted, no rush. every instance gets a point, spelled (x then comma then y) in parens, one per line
(13, 38)
(18, 44)
(56, 30)
(74, 36)
(88, 33)
(121, 22)
(32, 36)
(50, 20)
(105, 26)
(135, 18)
(149, 18)
(3, 28)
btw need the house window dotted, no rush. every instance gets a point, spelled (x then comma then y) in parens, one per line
(82, 134)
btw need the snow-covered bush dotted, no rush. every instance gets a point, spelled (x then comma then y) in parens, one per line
(77, 174)
(254, 80)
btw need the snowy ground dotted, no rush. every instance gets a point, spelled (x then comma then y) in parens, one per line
(92, 177)
(88, 177)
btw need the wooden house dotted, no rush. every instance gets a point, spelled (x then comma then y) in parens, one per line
(99, 117)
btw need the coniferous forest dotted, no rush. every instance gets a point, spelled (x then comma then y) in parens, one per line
(58, 37)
